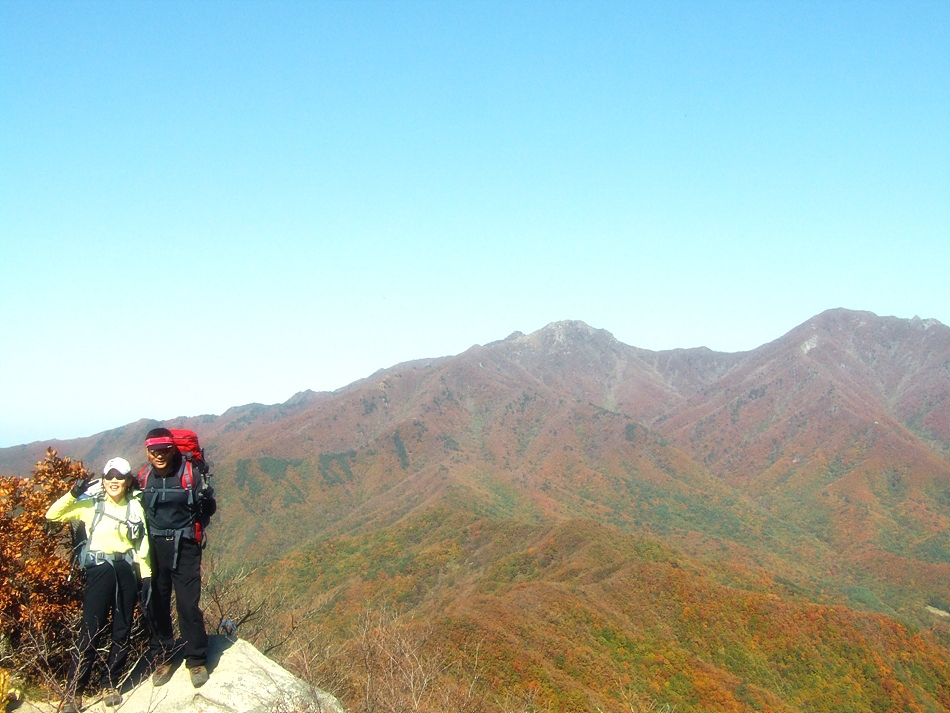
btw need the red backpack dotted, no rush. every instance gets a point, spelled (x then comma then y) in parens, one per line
(187, 443)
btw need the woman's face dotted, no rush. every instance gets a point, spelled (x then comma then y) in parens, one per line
(115, 487)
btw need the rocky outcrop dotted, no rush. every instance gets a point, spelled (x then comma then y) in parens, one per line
(242, 680)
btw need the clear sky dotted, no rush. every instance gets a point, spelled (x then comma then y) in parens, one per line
(207, 204)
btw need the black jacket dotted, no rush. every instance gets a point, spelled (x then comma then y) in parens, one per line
(169, 506)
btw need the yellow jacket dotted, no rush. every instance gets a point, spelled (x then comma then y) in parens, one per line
(111, 534)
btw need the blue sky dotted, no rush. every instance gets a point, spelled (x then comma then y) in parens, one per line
(251, 199)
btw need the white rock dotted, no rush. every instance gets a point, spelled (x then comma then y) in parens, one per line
(242, 680)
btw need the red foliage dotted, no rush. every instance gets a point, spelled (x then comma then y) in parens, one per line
(37, 597)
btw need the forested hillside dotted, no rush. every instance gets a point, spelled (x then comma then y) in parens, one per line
(614, 527)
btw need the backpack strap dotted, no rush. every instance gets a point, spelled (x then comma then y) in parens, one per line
(143, 479)
(87, 557)
(143, 476)
(188, 481)
(101, 513)
(93, 558)
(96, 519)
(192, 532)
(188, 475)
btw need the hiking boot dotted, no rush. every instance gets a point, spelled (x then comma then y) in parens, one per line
(111, 697)
(71, 705)
(199, 676)
(162, 674)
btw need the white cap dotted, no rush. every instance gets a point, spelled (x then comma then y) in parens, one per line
(121, 465)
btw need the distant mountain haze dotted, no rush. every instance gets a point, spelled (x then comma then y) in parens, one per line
(691, 524)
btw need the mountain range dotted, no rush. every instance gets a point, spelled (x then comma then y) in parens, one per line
(764, 530)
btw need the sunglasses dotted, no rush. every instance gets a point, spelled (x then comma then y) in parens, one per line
(161, 450)
(114, 476)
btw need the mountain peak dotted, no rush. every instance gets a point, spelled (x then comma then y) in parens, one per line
(842, 319)
(565, 333)
(925, 324)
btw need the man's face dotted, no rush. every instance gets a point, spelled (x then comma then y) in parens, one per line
(161, 456)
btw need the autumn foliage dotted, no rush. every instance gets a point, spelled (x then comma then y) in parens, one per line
(37, 596)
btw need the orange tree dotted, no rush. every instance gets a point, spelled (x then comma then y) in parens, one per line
(37, 598)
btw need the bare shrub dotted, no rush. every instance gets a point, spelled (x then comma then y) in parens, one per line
(238, 603)
(391, 664)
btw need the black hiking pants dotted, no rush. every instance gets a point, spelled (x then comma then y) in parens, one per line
(111, 588)
(185, 580)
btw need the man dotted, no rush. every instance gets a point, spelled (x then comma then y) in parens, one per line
(171, 512)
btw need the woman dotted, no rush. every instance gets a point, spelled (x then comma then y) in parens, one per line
(114, 557)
